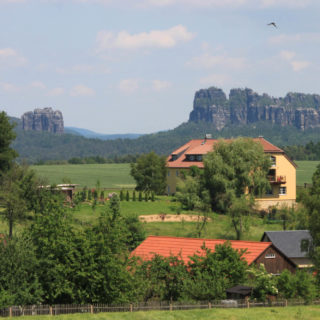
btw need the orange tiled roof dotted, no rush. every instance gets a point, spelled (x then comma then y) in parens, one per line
(186, 247)
(202, 147)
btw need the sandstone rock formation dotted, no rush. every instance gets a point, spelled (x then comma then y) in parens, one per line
(245, 106)
(43, 120)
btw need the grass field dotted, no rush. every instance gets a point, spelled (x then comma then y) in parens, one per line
(115, 176)
(305, 171)
(111, 176)
(294, 313)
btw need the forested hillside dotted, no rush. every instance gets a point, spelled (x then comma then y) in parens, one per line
(42, 146)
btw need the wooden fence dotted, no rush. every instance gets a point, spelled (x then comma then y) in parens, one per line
(34, 310)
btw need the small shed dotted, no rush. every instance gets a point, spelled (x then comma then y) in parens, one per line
(239, 292)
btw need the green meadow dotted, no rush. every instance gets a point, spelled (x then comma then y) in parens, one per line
(117, 176)
(110, 175)
(301, 312)
(305, 171)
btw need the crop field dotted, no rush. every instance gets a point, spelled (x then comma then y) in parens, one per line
(110, 175)
(301, 312)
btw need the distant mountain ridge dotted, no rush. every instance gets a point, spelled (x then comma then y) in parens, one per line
(244, 106)
(94, 135)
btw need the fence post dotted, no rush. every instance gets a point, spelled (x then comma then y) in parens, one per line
(209, 305)
(91, 309)
(10, 312)
(285, 302)
(50, 311)
(170, 306)
(248, 304)
(131, 307)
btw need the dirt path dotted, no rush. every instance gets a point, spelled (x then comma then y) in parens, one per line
(171, 218)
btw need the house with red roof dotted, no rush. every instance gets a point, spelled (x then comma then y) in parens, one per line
(256, 252)
(282, 173)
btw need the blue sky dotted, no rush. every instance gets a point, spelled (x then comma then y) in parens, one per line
(134, 65)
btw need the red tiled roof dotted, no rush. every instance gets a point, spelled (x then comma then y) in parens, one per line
(186, 247)
(203, 146)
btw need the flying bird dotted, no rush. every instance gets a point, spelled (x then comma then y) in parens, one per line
(272, 24)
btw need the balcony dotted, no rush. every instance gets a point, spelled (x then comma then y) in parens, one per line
(276, 179)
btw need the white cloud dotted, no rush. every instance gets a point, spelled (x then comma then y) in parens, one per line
(215, 80)
(211, 61)
(287, 3)
(153, 39)
(299, 65)
(38, 85)
(159, 85)
(9, 87)
(83, 69)
(10, 57)
(81, 90)
(129, 85)
(295, 38)
(56, 92)
(287, 55)
(296, 65)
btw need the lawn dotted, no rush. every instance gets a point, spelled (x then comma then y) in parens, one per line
(110, 175)
(301, 312)
(305, 171)
(217, 228)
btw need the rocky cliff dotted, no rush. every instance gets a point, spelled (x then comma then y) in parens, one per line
(43, 120)
(245, 106)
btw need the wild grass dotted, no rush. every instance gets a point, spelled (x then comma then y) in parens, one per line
(294, 313)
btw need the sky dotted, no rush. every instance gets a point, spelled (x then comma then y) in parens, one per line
(133, 66)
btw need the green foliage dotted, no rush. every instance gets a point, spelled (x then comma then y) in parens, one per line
(127, 196)
(140, 196)
(18, 194)
(121, 195)
(163, 278)
(7, 135)
(213, 273)
(133, 195)
(19, 284)
(150, 172)
(264, 283)
(300, 285)
(152, 196)
(89, 195)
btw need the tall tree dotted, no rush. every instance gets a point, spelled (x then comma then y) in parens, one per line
(234, 172)
(7, 135)
(150, 173)
(12, 196)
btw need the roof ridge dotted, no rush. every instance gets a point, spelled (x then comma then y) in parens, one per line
(172, 237)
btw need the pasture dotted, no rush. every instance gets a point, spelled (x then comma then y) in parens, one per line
(301, 312)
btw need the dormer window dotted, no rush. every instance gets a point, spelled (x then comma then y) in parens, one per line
(192, 157)
(174, 157)
(199, 157)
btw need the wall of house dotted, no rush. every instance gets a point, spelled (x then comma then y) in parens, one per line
(277, 264)
(283, 167)
(173, 175)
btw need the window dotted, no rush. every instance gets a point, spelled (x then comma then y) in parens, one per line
(199, 157)
(168, 190)
(270, 256)
(191, 158)
(168, 173)
(304, 246)
(273, 160)
(174, 157)
(177, 173)
(283, 190)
